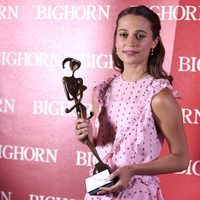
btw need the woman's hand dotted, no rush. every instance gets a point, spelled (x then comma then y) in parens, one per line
(124, 175)
(83, 129)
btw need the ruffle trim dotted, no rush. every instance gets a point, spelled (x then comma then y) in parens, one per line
(147, 180)
(100, 90)
(160, 84)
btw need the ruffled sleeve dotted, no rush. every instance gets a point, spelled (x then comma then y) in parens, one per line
(100, 89)
(158, 85)
(98, 95)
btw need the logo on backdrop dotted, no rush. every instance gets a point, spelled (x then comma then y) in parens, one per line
(97, 12)
(5, 195)
(57, 12)
(193, 168)
(7, 105)
(85, 159)
(50, 59)
(191, 116)
(72, 12)
(31, 59)
(9, 12)
(40, 107)
(9, 196)
(56, 108)
(177, 12)
(189, 64)
(22, 153)
(42, 197)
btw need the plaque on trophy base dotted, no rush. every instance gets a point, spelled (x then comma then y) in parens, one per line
(98, 180)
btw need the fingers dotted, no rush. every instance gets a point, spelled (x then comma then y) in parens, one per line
(82, 128)
(81, 123)
(123, 176)
(114, 174)
(115, 188)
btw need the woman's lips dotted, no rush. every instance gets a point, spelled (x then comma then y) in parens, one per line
(130, 52)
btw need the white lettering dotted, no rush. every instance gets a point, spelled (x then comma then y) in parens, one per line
(88, 12)
(41, 59)
(177, 12)
(28, 154)
(164, 12)
(55, 108)
(191, 64)
(101, 61)
(49, 108)
(9, 12)
(18, 152)
(193, 168)
(7, 105)
(5, 195)
(42, 197)
(190, 13)
(45, 59)
(191, 116)
(85, 159)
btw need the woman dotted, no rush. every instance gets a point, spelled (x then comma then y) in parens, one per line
(135, 111)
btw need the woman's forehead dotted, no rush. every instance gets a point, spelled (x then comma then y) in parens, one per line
(131, 21)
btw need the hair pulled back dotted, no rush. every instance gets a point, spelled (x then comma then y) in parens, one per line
(155, 61)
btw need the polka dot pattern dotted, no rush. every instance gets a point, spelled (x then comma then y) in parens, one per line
(127, 133)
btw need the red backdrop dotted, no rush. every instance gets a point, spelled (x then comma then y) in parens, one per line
(39, 156)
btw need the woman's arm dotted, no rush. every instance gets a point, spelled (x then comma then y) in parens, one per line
(168, 117)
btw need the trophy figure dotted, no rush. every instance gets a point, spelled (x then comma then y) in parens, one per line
(74, 89)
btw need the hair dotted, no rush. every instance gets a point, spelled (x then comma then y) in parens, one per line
(155, 61)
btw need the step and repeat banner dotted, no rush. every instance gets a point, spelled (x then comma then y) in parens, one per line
(40, 159)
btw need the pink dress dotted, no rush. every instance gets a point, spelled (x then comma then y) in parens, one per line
(127, 133)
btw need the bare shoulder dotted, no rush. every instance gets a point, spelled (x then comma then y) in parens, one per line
(164, 103)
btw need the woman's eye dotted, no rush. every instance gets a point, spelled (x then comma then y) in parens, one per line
(124, 35)
(139, 36)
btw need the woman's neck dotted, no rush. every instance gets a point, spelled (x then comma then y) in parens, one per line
(134, 73)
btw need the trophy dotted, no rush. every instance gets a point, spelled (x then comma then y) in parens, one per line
(74, 89)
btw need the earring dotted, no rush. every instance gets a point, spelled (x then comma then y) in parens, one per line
(152, 52)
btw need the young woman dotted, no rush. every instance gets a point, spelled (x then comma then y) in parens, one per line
(136, 111)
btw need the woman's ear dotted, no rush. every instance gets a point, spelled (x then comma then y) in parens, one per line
(155, 42)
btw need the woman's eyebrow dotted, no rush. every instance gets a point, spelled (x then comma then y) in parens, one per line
(122, 29)
(141, 31)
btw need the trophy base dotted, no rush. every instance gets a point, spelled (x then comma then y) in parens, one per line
(98, 180)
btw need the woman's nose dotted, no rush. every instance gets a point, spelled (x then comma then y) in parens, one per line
(131, 41)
